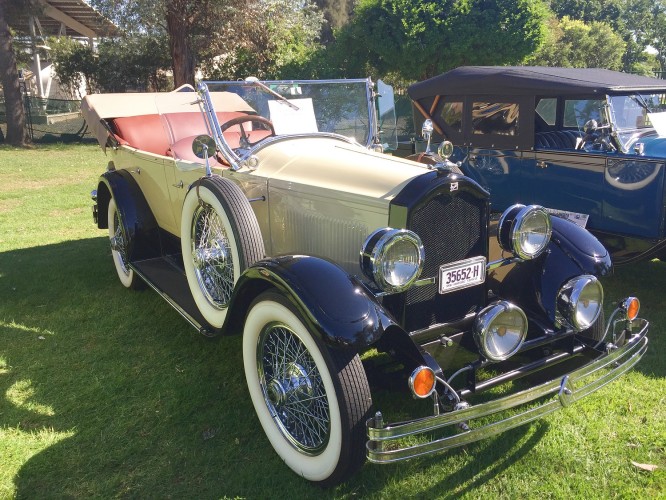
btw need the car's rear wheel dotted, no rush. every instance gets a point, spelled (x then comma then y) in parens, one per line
(220, 238)
(120, 248)
(312, 402)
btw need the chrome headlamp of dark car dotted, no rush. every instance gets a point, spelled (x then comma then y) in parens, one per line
(524, 230)
(499, 330)
(579, 302)
(392, 258)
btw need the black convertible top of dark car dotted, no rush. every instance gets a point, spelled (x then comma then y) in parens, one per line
(531, 80)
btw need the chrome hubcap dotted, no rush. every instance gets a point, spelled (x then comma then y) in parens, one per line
(293, 389)
(295, 385)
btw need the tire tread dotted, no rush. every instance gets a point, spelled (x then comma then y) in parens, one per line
(242, 218)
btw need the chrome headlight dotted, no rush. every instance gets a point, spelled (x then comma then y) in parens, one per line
(392, 258)
(524, 230)
(499, 330)
(579, 302)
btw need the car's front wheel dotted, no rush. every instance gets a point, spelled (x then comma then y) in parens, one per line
(312, 402)
(220, 238)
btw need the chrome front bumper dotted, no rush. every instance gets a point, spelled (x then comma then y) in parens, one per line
(382, 445)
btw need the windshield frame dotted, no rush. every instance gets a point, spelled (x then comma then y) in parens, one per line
(626, 135)
(240, 157)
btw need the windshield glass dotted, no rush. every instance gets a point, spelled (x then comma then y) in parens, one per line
(638, 115)
(343, 107)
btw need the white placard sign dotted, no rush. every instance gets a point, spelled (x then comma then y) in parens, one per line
(658, 121)
(576, 218)
(288, 120)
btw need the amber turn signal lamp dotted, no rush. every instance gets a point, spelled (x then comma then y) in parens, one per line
(631, 306)
(422, 382)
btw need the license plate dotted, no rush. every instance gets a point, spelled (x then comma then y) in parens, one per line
(462, 274)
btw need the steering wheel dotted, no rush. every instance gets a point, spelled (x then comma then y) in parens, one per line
(596, 137)
(239, 120)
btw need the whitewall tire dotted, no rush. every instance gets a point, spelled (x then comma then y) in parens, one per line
(312, 402)
(220, 238)
(120, 247)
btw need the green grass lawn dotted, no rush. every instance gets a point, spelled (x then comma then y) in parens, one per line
(107, 393)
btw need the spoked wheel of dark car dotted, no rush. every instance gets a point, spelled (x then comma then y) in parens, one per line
(119, 247)
(220, 238)
(312, 402)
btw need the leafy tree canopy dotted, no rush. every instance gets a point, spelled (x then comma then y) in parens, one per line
(576, 44)
(608, 11)
(417, 39)
(223, 38)
(641, 23)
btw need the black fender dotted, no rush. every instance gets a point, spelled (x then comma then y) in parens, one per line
(141, 227)
(336, 307)
(572, 251)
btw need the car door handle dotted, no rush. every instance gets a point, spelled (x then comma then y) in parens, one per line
(179, 185)
(542, 164)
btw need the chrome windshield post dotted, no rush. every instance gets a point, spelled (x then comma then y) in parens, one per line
(214, 127)
(609, 116)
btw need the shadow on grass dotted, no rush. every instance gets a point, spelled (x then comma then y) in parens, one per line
(126, 399)
(498, 455)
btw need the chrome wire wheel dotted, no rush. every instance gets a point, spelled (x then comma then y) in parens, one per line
(293, 389)
(211, 256)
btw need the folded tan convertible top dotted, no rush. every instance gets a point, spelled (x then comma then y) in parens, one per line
(98, 107)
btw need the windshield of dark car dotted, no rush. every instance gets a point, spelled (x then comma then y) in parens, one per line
(638, 115)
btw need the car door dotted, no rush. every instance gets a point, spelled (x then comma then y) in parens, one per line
(496, 128)
(561, 174)
(499, 171)
(570, 181)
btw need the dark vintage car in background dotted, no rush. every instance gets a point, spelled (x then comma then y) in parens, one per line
(266, 209)
(587, 144)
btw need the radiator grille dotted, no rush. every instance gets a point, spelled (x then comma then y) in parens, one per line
(452, 227)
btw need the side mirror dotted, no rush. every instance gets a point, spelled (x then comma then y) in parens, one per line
(426, 132)
(203, 146)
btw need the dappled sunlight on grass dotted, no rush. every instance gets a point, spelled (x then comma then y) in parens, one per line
(20, 394)
(28, 329)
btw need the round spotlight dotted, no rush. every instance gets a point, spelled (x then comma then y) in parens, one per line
(499, 330)
(580, 301)
(392, 258)
(524, 230)
(422, 382)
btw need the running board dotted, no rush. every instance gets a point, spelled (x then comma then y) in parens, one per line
(171, 283)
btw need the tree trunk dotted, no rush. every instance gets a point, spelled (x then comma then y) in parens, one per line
(16, 132)
(179, 43)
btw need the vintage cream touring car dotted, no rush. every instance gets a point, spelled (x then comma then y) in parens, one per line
(267, 209)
